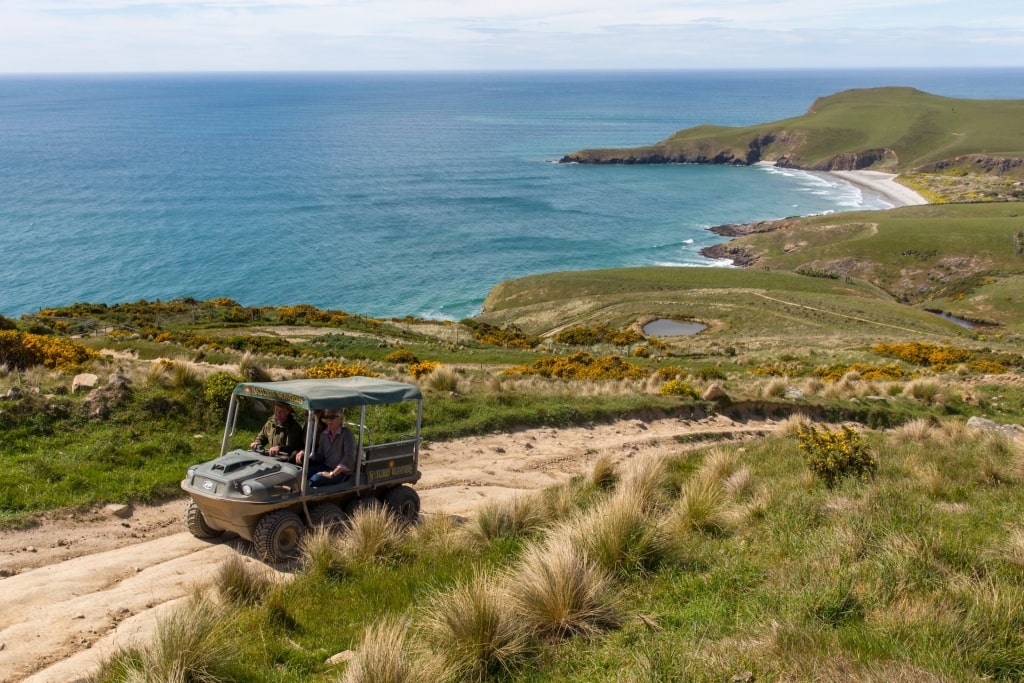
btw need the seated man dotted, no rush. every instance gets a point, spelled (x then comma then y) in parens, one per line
(282, 436)
(335, 454)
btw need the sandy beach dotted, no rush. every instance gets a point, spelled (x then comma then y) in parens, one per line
(884, 184)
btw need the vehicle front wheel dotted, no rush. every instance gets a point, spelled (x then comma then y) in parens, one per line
(197, 524)
(404, 503)
(278, 535)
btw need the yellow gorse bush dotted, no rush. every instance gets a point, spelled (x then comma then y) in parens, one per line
(23, 350)
(423, 368)
(334, 370)
(834, 373)
(581, 365)
(832, 455)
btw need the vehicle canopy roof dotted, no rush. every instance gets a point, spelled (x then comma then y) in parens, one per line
(319, 394)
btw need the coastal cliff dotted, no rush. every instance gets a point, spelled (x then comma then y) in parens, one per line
(892, 129)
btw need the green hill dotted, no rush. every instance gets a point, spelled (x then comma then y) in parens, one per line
(827, 281)
(895, 129)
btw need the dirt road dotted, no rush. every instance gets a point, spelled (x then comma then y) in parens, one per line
(76, 589)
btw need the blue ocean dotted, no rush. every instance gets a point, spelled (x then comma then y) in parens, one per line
(383, 194)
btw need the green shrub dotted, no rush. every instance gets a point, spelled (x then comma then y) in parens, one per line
(834, 455)
(217, 390)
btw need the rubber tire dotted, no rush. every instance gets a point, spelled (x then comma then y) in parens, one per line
(278, 536)
(197, 524)
(327, 515)
(353, 505)
(404, 503)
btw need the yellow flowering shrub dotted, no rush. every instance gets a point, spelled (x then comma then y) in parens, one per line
(888, 373)
(677, 387)
(924, 353)
(334, 369)
(23, 350)
(832, 455)
(423, 368)
(581, 365)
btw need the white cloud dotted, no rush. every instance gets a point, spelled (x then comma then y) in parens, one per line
(136, 35)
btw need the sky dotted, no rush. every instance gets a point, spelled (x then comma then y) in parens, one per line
(66, 36)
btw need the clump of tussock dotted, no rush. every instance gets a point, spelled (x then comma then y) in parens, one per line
(185, 375)
(444, 379)
(918, 430)
(319, 554)
(795, 422)
(250, 368)
(192, 644)
(719, 464)
(646, 483)
(242, 582)
(703, 505)
(373, 535)
(517, 516)
(559, 501)
(813, 386)
(935, 484)
(619, 536)
(926, 391)
(475, 627)
(387, 654)
(558, 591)
(775, 388)
(437, 533)
(604, 473)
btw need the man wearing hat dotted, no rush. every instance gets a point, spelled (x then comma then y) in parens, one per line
(281, 437)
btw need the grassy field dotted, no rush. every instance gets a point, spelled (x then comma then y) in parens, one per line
(896, 129)
(721, 564)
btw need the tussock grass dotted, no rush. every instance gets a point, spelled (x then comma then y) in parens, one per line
(251, 369)
(604, 473)
(474, 626)
(619, 536)
(319, 553)
(192, 645)
(775, 388)
(918, 430)
(703, 505)
(387, 654)
(719, 464)
(240, 581)
(444, 379)
(793, 423)
(517, 516)
(558, 591)
(373, 535)
(437, 533)
(927, 391)
(645, 481)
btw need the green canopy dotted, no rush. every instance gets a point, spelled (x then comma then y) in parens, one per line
(318, 394)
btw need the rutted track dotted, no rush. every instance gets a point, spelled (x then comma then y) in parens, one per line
(74, 590)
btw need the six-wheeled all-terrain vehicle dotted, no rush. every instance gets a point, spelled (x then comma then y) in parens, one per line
(271, 503)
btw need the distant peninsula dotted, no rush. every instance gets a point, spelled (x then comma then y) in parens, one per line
(891, 129)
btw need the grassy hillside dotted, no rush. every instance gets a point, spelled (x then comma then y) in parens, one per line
(861, 277)
(895, 129)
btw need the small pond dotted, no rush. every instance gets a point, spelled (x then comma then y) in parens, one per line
(953, 319)
(663, 327)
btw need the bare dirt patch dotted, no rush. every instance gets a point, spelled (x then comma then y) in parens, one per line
(80, 586)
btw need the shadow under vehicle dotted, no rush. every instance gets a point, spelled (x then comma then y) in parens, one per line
(271, 503)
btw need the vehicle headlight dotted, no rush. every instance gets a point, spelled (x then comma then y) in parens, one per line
(246, 490)
(191, 473)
